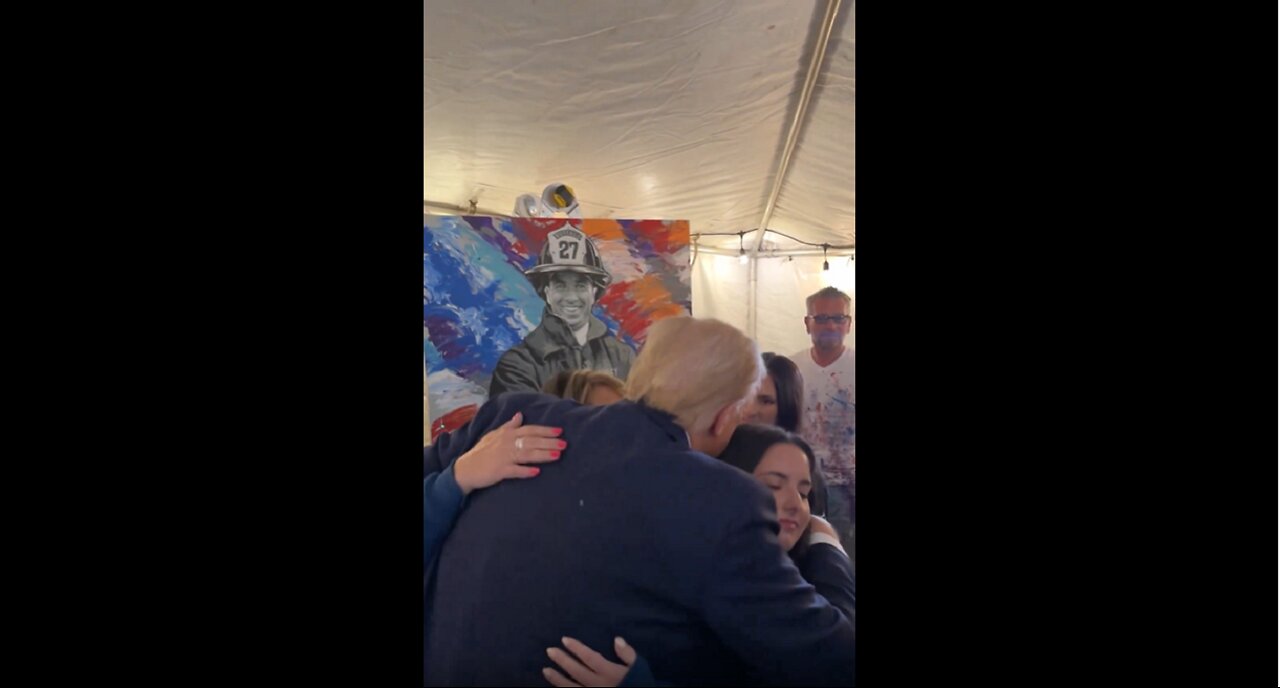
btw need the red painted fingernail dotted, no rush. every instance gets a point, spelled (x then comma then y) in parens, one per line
(555, 454)
(563, 444)
(557, 432)
(535, 471)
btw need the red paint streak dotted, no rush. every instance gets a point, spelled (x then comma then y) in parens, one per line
(636, 305)
(535, 229)
(452, 420)
(603, 230)
(666, 237)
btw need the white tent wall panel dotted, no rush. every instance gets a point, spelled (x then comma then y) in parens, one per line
(720, 287)
(784, 287)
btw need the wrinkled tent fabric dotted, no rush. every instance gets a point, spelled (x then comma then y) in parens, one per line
(663, 110)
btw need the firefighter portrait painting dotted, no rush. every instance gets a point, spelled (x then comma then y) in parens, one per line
(570, 278)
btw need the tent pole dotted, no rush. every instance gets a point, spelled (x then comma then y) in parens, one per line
(793, 133)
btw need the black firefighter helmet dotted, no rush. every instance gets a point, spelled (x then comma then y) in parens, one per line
(569, 250)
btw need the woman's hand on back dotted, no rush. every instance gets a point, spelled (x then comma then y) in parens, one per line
(586, 667)
(501, 454)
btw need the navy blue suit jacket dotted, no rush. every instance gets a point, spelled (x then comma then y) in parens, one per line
(631, 533)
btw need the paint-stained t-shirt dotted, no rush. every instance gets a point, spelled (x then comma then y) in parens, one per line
(830, 415)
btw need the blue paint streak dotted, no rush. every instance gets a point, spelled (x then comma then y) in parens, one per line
(434, 360)
(615, 328)
(476, 303)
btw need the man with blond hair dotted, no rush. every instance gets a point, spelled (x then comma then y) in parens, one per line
(634, 532)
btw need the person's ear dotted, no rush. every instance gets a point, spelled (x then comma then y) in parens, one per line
(726, 421)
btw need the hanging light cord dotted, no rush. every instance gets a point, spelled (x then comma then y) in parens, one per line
(742, 251)
(809, 243)
(774, 231)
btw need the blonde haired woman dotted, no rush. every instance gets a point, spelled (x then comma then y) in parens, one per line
(593, 387)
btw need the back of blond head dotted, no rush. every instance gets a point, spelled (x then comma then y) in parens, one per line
(692, 368)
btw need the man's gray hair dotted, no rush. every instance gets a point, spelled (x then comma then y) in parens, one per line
(828, 293)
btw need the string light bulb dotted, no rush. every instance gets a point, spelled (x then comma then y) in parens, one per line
(825, 264)
(742, 252)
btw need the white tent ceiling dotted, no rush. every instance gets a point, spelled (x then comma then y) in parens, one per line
(673, 109)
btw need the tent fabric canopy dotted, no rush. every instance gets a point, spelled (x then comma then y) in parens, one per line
(663, 110)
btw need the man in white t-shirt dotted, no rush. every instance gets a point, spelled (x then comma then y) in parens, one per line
(828, 422)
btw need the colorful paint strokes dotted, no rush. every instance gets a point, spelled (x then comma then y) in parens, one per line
(477, 302)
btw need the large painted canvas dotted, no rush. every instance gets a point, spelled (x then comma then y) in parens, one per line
(480, 300)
